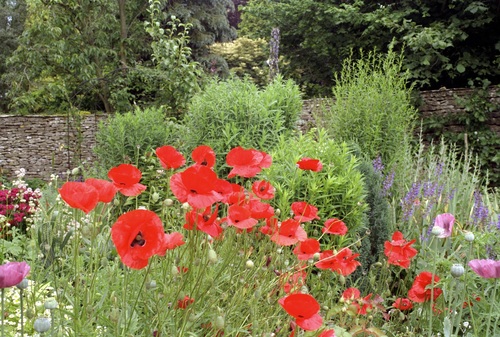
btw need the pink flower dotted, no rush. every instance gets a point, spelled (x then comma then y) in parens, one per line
(445, 221)
(12, 273)
(486, 268)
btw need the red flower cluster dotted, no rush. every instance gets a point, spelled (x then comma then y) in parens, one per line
(361, 305)
(422, 289)
(86, 195)
(18, 204)
(402, 304)
(398, 251)
(342, 262)
(310, 164)
(247, 163)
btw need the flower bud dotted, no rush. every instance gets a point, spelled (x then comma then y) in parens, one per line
(457, 270)
(469, 236)
(436, 230)
(316, 256)
(155, 196)
(212, 256)
(23, 284)
(219, 322)
(185, 206)
(168, 202)
(151, 284)
(50, 304)
(42, 324)
(249, 264)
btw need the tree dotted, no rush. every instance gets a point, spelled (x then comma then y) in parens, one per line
(446, 43)
(12, 15)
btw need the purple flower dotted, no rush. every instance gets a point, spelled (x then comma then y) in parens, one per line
(481, 212)
(486, 268)
(445, 221)
(377, 165)
(12, 273)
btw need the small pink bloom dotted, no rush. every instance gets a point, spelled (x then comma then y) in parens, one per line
(12, 273)
(445, 221)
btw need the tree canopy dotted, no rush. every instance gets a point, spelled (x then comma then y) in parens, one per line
(452, 43)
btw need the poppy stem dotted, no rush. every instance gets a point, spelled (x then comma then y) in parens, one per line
(3, 311)
(491, 309)
(22, 316)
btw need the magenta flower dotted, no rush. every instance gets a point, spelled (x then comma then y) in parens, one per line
(445, 221)
(486, 268)
(12, 273)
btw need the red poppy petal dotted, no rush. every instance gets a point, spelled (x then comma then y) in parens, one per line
(310, 324)
(300, 306)
(106, 189)
(79, 195)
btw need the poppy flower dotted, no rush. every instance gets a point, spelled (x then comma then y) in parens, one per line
(289, 233)
(304, 308)
(138, 235)
(196, 185)
(402, 304)
(360, 305)
(304, 212)
(240, 217)
(79, 195)
(247, 162)
(486, 268)
(310, 164)
(399, 251)
(170, 241)
(270, 227)
(204, 155)
(12, 273)
(106, 189)
(263, 189)
(445, 221)
(206, 222)
(259, 209)
(421, 290)
(169, 157)
(183, 303)
(306, 249)
(327, 333)
(343, 262)
(126, 178)
(334, 226)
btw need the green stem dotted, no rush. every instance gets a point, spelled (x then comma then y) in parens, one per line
(22, 316)
(492, 304)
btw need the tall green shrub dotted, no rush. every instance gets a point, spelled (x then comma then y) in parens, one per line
(337, 190)
(124, 137)
(372, 106)
(236, 113)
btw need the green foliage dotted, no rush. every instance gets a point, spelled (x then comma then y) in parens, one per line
(235, 113)
(372, 107)
(337, 190)
(245, 57)
(445, 43)
(123, 138)
(475, 136)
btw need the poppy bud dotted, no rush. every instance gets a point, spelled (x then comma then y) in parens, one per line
(436, 230)
(75, 171)
(151, 284)
(155, 196)
(50, 304)
(23, 284)
(42, 324)
(168, 202)
(457, 270)
(469, 236)
(342, 279)
(212, 256)
(249, 264)
(174, 270)
(219, 322)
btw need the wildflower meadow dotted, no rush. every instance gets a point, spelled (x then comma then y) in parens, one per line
(296, 234)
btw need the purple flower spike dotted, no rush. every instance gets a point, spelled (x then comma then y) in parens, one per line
(486, 268)
(12, 273)
(445, 221)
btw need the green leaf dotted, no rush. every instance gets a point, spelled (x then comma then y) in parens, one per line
(460, 68)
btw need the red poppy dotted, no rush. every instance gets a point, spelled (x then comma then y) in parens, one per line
(327, 333)
(234, 194)
(263, 189)
(79, 195)
(289, 233)
(171, 241)
(204, 155)
(335, 226)
(270, 227)
(169, 157)
(206, 222)
(310, 164)
(259, 209)
(183, 303)
(240, 217)
(402, 304)
(247, 163)
(138, 235)
(304, 308)
(306, 249)
(196, 185)
(422, 290)
(304, 212)
(126, 178)
(343, 262)
(106, 189)
(398, 251)
(360, 305)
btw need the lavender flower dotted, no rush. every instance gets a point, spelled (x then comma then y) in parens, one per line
(377, 165)
(480, 214)
(387, 184)
(409, 200)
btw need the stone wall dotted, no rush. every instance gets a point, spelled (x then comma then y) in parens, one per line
(44, 145)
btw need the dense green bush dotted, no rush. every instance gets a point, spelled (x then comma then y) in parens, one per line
(235, 113)
(337, 190)
(372, 107)
(124, 137)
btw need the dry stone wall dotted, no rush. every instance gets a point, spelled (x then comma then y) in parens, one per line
(46, 145)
